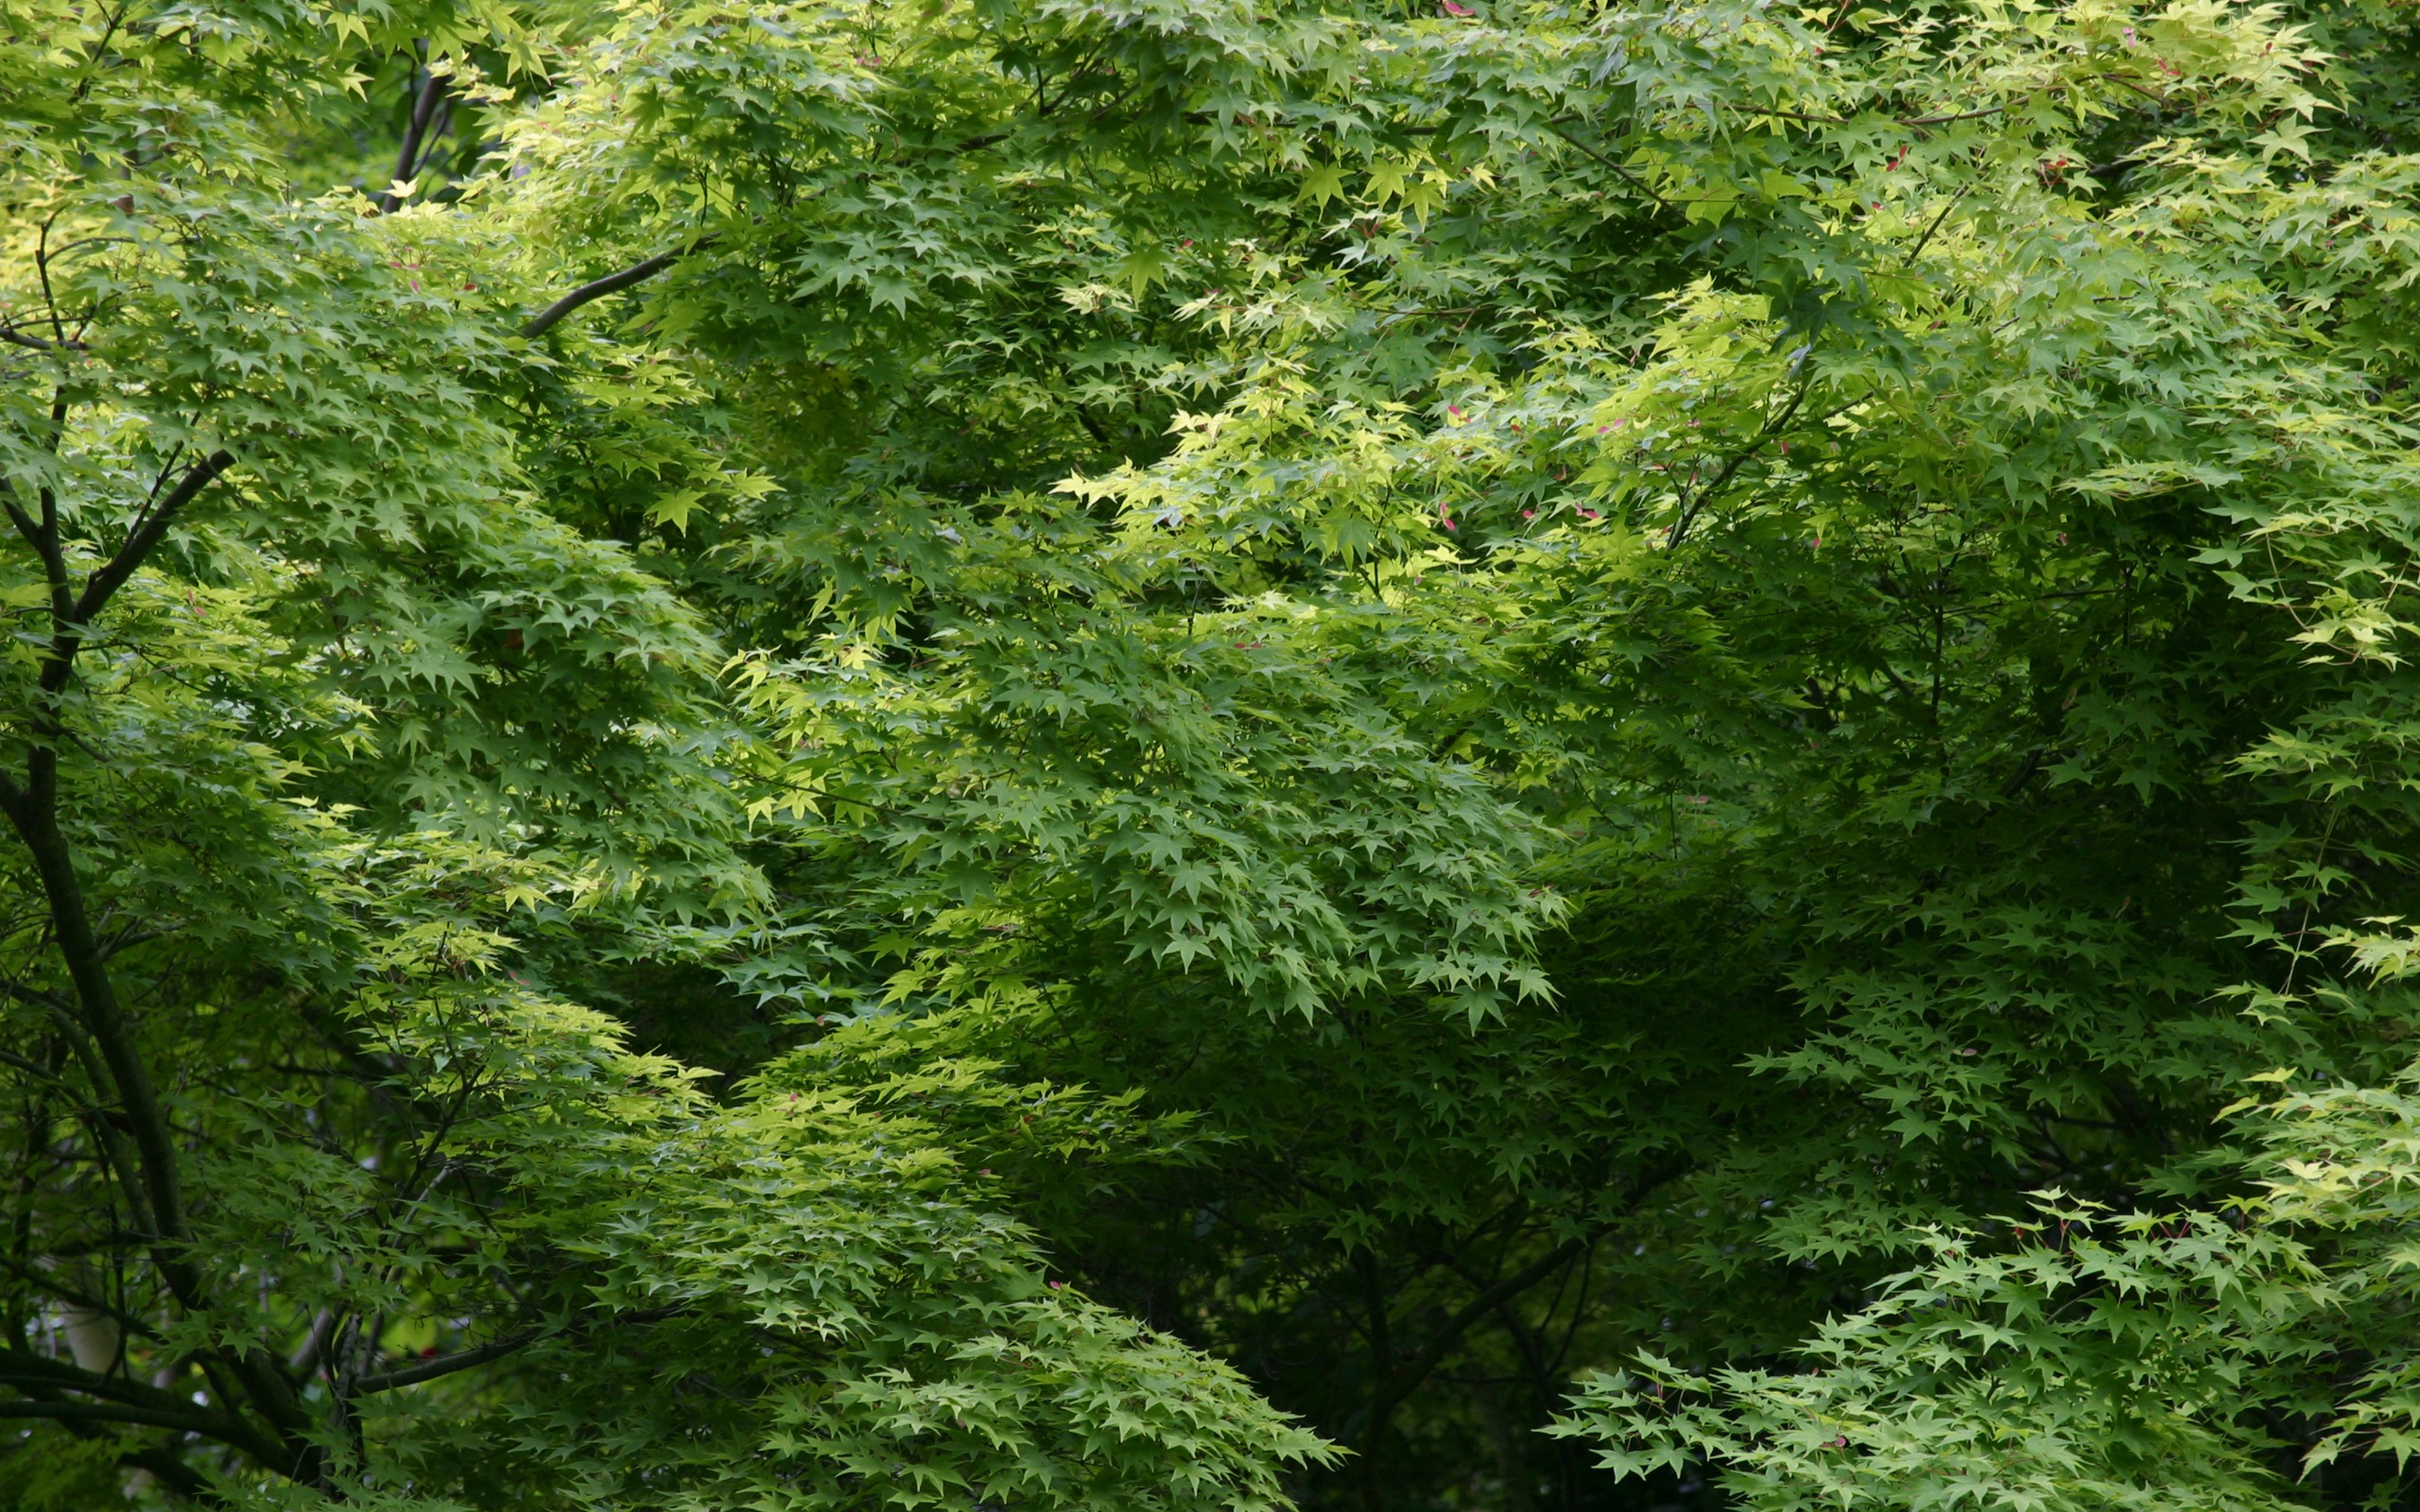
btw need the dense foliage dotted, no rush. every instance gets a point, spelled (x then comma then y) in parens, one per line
(1180, 754)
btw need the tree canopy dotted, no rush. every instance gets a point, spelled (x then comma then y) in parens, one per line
(1012, 755)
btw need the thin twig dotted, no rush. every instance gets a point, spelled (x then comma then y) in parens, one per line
(1627, 176)
(1917, 251)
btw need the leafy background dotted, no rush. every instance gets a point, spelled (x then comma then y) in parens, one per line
(1003, 754)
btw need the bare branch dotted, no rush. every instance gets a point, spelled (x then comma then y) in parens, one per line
(121, 1401)
(16, 338)
(21, 1367)
(111, 574)
(1925, 240)
(1627, 176)
(1393, 1392)
(610, 283)
(191, 1420)
(26, 526)
(423, 108)
(1772, 427)
(413, 1375)
(35, 1069)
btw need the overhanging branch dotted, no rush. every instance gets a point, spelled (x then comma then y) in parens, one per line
(413, 1375)
(147, 533)
(597, 289)
(106, 1398)
(117, 1412)
(16, 338)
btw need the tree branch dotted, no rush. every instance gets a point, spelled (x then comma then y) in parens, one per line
(1772, 427)
(106, 1142)
(111, 575)
(1925, 240)
(32, 811)
(610, 283)
(23, 521)
(161, 1461)
(1627, 176)
(42, 536)
(34, 1069)
(413, 1375)
(190, 1421)
(423, 108)
(122, 1401)
(16, 338)
(19, 1367)
(1393, 1392)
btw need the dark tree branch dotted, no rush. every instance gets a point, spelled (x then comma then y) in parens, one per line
(413, 1375)
(16, 338)
(20, 1367)
(109, 1144)
(437, 132)
(597, 289)
(423, 108)
(1730, 470)
(41, 1073)
(1627, 176)
(1925, 240)
(1382, 1351)
(49, 296)
(35, 822)
(23, 521)
(315, 1345)
(189, 1420)
(148, 531)
(1402, 1385)
(32, 810)
(42, 536)
(1390, 1388)
(127, 939)
(40, 1380)
(160, 1461)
